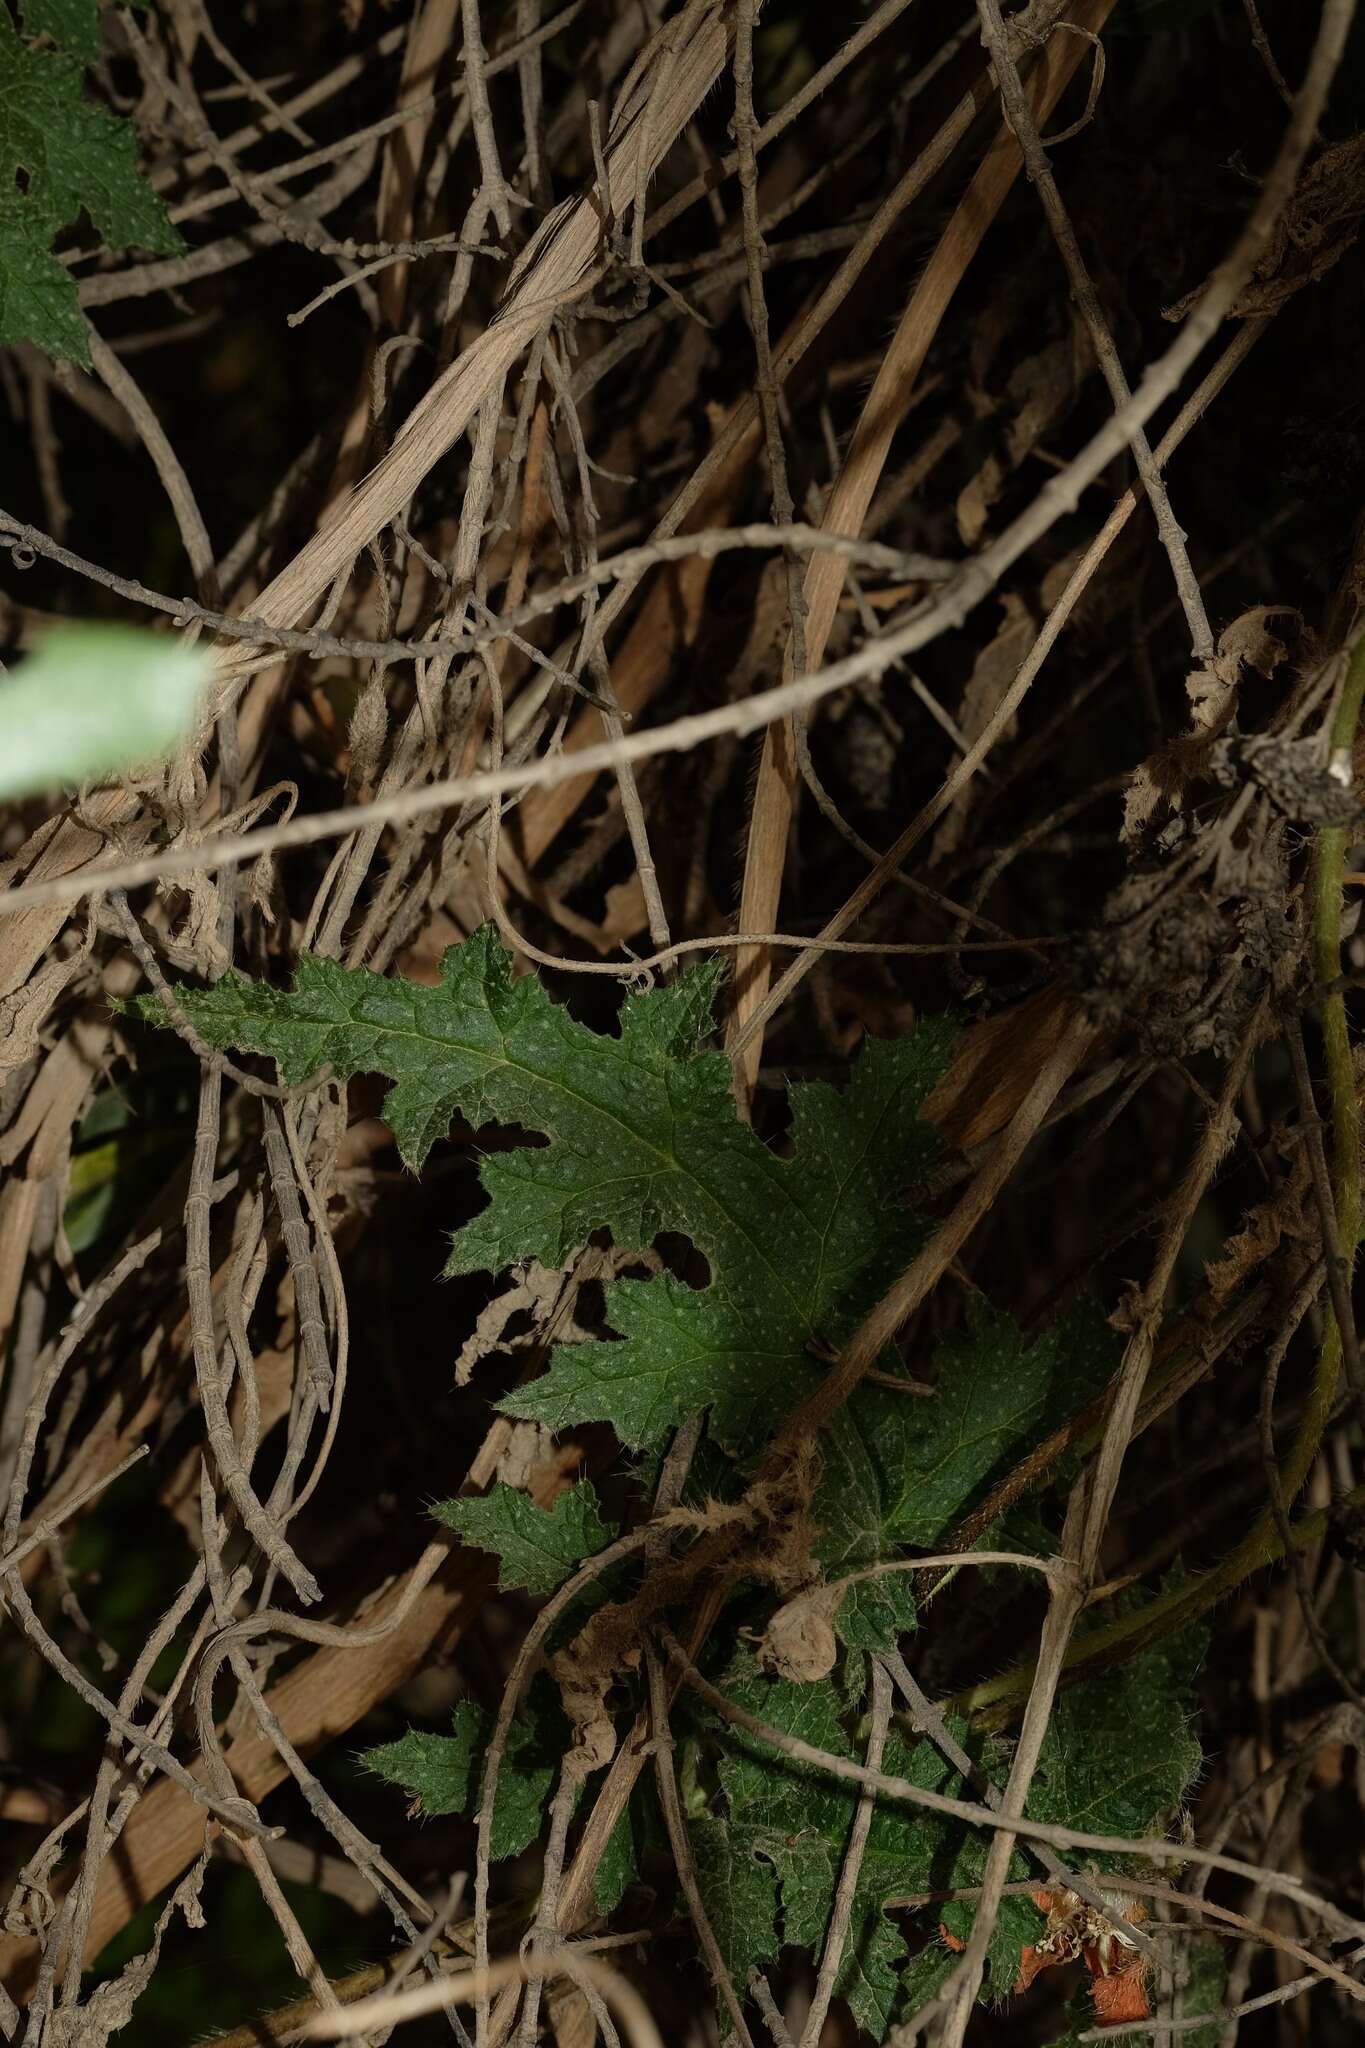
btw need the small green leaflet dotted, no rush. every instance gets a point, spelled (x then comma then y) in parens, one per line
(800, 1821)
(997, 1393)
(536, 1548)
(644, 1138)
(433, 1768)
(443, 1771)
(61, 155)
(93, 700)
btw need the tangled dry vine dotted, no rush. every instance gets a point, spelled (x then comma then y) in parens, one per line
(776, 795)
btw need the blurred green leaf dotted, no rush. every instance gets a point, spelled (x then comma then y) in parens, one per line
(93, 700)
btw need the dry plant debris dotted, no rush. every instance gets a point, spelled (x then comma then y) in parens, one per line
(679, 1356)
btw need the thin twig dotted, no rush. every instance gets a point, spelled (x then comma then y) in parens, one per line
(47, 1525)
(1020, 116)
(481, 118)
(841, 1913)
(679, 1842)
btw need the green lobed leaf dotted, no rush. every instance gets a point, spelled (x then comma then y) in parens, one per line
(739, 1891)
(536, 1548)
(643, 1138)
(1100, 1771)
(798, 1248)
(1120, 1752)
(94, 699)
(900, 1469)
(491, 1045)
(61, 155)
(445, 1771)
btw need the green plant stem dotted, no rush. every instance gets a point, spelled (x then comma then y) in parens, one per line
(994, 1702)
(1329, 854)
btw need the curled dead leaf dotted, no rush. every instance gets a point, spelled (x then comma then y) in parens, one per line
(799, 1642)
(1167, 776)
(1212, 687)
(1040, 391)
(595, 1744)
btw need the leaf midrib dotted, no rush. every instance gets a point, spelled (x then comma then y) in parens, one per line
(669, 1159)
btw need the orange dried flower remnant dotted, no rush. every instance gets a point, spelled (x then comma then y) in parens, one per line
(1118, 1969)
(1076, 1931)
